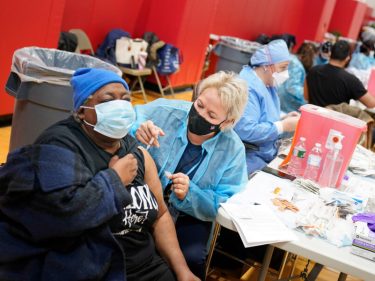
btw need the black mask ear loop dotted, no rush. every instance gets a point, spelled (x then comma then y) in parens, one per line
(219, 129)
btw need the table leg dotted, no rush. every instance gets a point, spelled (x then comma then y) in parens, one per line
(212, 246)
(293, 266)
(314, 272)
(266, 263)
(342, 277)
(282, 267)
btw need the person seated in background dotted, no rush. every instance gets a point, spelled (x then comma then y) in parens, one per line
(291, 92)
(289, 39)
(323, 54)
(200, 159)
(84, 202)
(260, 126)
(365, 58)
(332, 84)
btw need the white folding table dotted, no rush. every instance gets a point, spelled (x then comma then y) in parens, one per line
(315, 249)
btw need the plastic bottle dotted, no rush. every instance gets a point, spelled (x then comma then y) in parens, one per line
(332, 166)
(296, 162)
(313, 163)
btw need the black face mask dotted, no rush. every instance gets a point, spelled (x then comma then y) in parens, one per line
(200, 126)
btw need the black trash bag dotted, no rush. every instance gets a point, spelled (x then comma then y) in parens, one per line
(67, 42)
(289, 39)
(263, 39)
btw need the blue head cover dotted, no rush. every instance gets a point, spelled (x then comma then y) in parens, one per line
(274, 52)
(86, 81)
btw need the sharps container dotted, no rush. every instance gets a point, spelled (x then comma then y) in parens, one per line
(318, 125)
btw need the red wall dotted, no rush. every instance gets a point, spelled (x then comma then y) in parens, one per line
(25, 23)
(368, 16)
(247, 19)
(98, 17)
(191, 22)
(315, 19)
(184, 23)
(348, 18)
(187, 27)
(188, 23)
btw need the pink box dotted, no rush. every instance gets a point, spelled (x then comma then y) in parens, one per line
(315, 125)
(371, 82)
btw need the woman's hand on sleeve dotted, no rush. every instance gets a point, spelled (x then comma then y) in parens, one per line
(125, 167)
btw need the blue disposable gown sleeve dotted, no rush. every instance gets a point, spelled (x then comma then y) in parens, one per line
(294, 85)
(141, 117)
(203, 203)
(360, 61)
(250, 128)
(155, 111)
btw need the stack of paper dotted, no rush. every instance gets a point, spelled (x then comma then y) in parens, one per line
(260, 189)
(257, 224)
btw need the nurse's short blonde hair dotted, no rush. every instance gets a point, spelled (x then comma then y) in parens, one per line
(231, 89)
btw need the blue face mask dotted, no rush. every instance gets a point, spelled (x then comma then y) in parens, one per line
(323, 59)
(114, 118)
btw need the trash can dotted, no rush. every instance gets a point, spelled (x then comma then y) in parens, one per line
(234, 53)
(40, 82)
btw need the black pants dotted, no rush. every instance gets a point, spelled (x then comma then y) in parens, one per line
(193, 235)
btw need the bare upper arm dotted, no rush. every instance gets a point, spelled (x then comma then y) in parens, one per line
(153, 182)
(368, 100)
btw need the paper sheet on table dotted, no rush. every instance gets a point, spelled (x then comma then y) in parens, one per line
(257, 224)
(275, 163)
(260, 190)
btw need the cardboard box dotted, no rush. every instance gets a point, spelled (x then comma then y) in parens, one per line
(364, 241)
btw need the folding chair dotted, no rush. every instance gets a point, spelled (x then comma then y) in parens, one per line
(84, 45)
(141, 75)
(364, 115)
(161, 88)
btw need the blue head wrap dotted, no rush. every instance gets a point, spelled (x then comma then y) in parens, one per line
(274, 52)
(86, 81)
